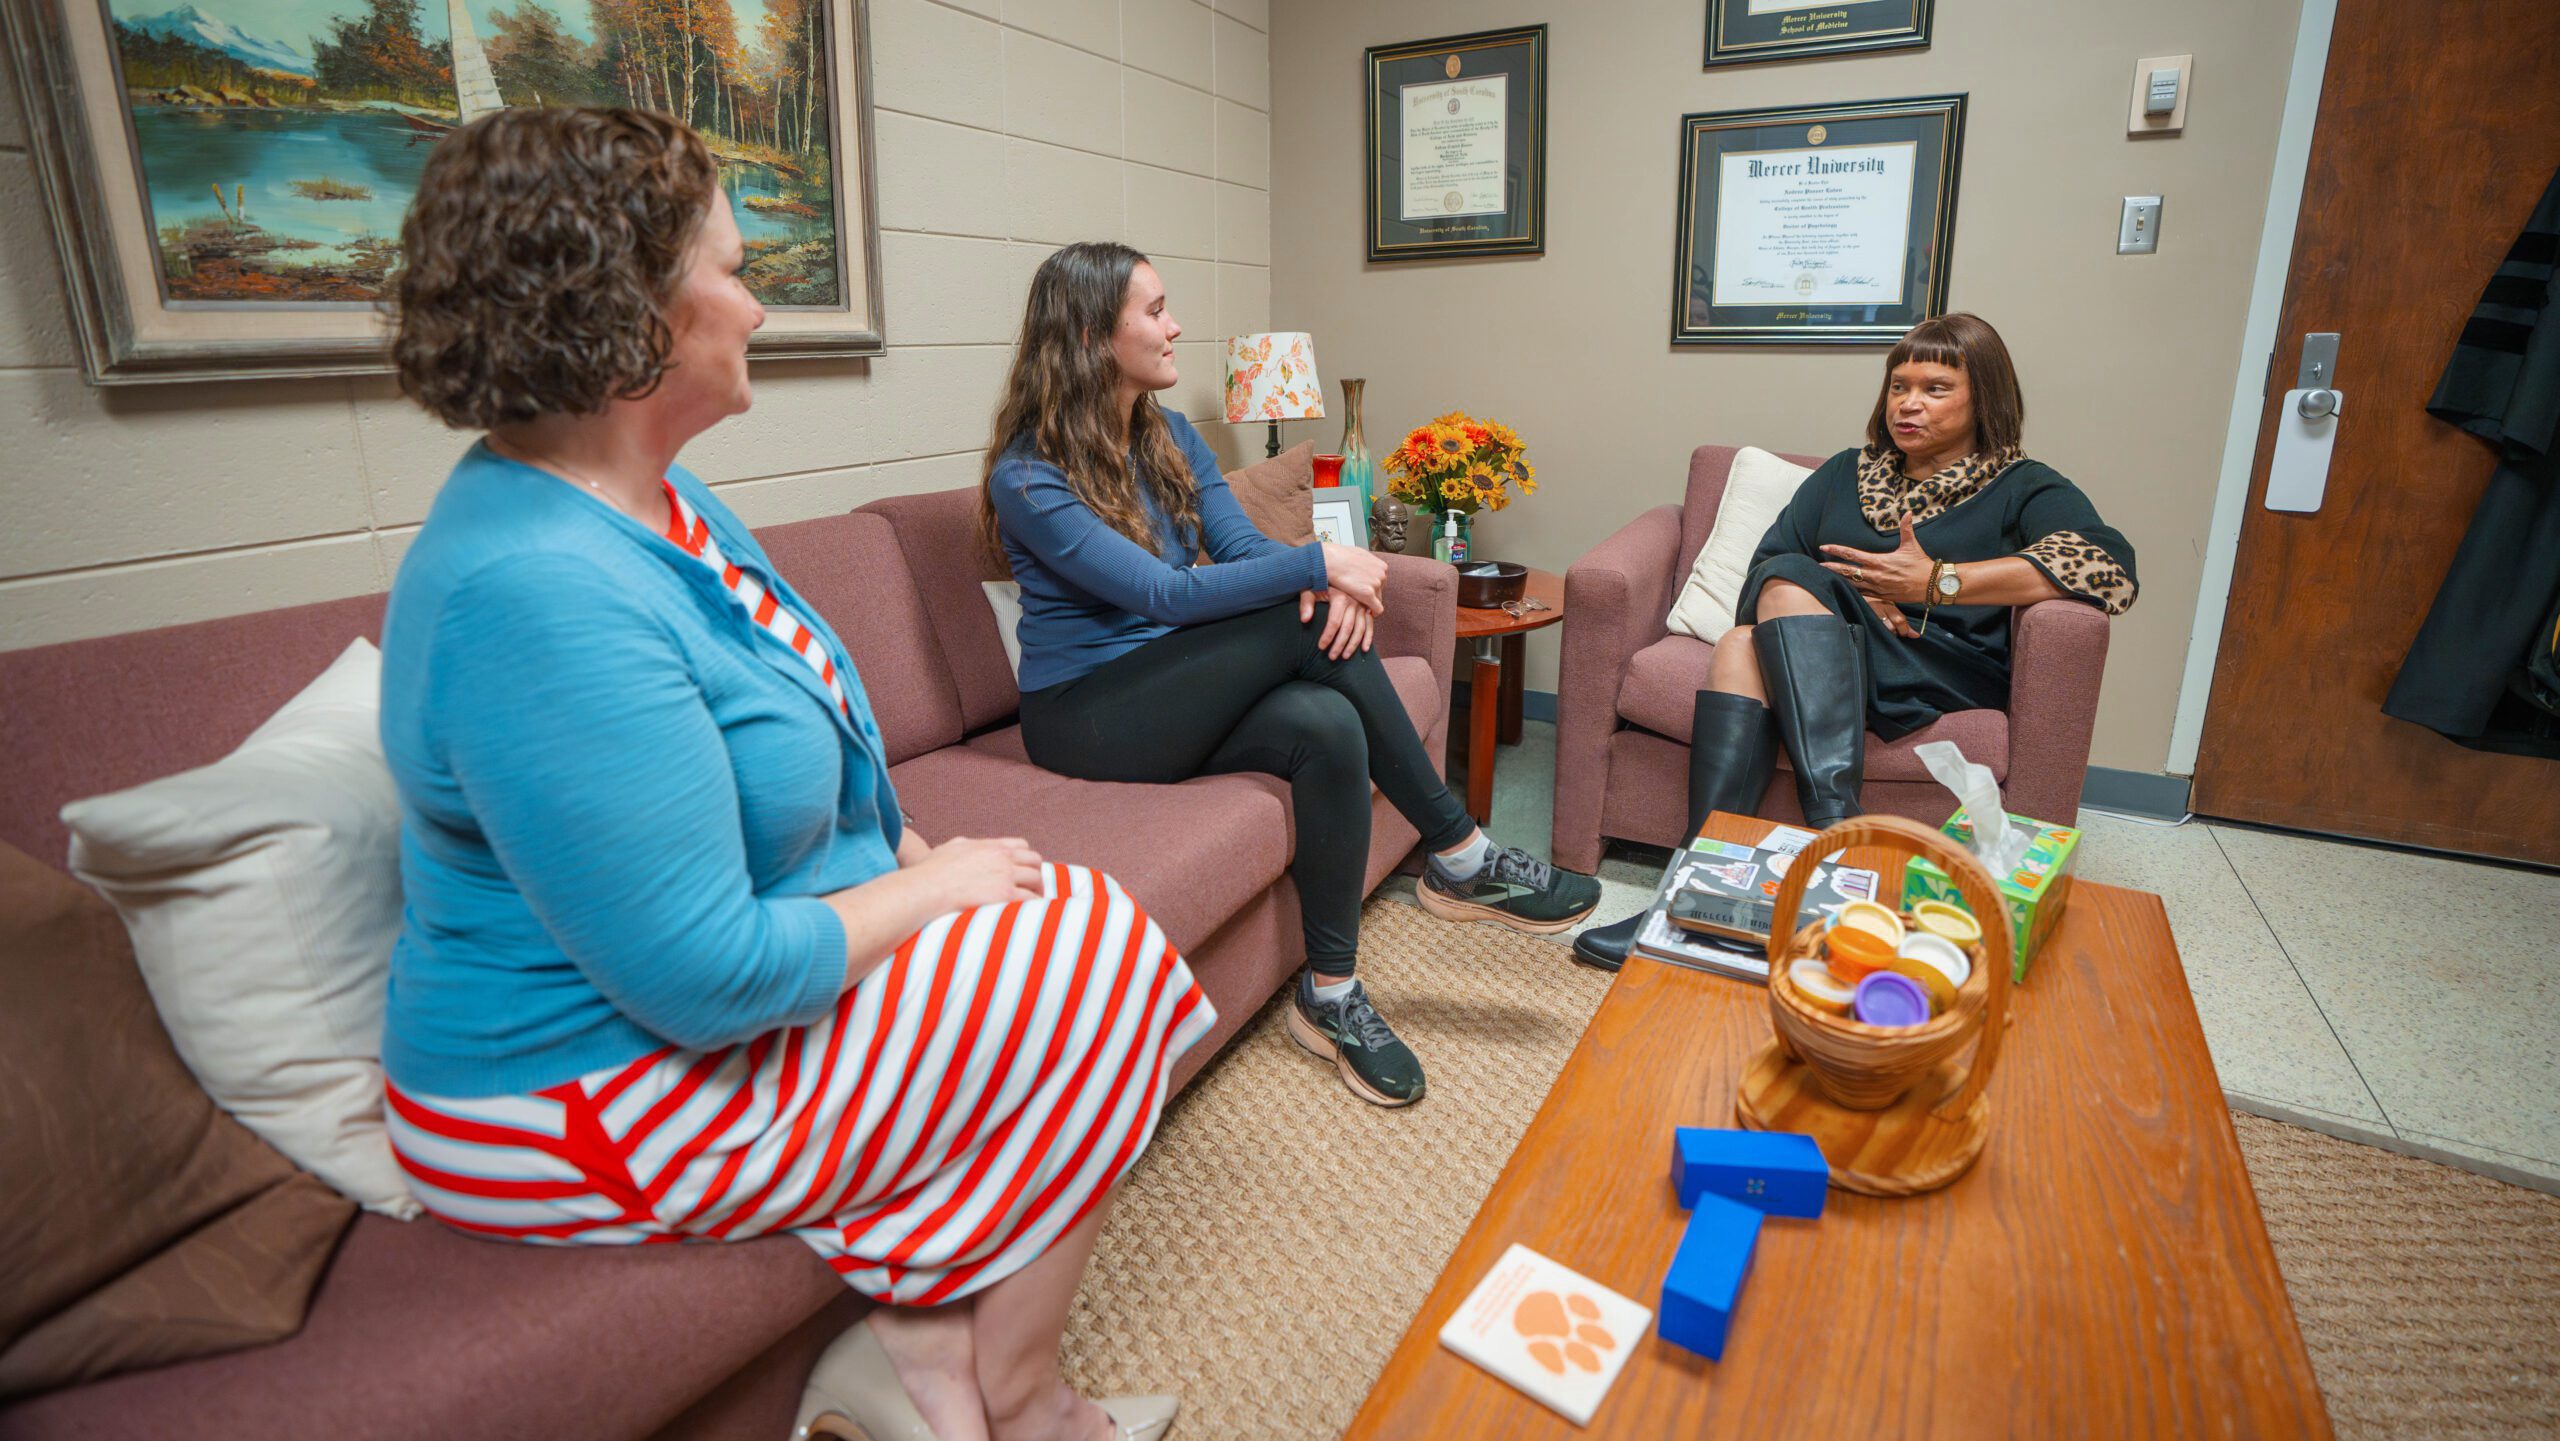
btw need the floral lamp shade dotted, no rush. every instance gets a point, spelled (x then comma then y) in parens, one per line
(1273, 377)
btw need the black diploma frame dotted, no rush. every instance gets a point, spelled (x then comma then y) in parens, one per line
(1736, 35)
(1471, 202)
(1812, 264)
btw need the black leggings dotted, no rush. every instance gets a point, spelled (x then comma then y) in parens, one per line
(1254, 693)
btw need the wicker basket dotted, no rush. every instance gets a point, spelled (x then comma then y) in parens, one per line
(1868, 1068)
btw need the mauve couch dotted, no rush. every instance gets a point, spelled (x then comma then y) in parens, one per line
(1626, 686)
(418, 1332)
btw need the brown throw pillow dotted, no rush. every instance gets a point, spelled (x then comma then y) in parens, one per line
(1279, 494)
(139, 1224)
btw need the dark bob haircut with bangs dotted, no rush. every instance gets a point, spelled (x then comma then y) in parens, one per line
(1967, 343)
(538, 259)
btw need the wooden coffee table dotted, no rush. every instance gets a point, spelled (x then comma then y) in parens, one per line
(1494, 681)
(2102, 1271)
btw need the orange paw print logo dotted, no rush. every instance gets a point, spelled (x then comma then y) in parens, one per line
(1562, 1330)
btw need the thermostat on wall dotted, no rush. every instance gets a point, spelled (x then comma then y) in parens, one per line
(2160, 85)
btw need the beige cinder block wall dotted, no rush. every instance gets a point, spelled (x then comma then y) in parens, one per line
(1003, 129)
(2128, 361)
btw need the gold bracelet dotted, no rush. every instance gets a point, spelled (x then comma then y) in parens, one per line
(1929, 600)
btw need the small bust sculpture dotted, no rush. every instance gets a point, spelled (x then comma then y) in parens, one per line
(1389, 519)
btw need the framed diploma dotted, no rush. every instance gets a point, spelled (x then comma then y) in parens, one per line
(1822, 225)
(1458, 146)
(1740, 32)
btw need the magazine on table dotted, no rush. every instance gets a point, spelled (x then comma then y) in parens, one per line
(1713, 908)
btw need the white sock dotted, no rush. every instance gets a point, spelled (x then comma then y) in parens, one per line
(1463, 863)
(1331, 991)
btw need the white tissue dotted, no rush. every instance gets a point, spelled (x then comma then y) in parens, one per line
(1998, 847)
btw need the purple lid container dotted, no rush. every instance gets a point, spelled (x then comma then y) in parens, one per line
(1886, 998)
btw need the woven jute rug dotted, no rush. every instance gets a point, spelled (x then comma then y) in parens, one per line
(1270, 1249)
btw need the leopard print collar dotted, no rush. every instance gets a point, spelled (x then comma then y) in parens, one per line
(1883, 493)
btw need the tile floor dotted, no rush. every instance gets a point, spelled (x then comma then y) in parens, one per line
(2405, 1000)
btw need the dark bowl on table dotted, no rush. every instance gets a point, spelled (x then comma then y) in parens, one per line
(1484, 592)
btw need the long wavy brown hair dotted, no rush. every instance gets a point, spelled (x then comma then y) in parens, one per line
(1063, 390)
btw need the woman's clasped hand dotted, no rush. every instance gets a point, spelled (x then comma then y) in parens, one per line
(1355, 596)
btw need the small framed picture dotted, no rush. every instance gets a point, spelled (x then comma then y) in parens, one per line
(1338, 518)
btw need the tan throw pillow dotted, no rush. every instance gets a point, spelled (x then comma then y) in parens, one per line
(139, 1225)
(1279, 494)
(1755, 491)
(262, 893)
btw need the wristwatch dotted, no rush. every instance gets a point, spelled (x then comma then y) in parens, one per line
(1943, 583)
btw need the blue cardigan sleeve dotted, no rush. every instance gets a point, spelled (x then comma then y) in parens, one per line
(1039, 511)
(590, 761)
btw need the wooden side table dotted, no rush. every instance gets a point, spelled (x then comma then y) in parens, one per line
(1493, 685)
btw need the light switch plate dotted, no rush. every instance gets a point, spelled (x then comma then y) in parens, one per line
(2138, 232)
(2137, 122)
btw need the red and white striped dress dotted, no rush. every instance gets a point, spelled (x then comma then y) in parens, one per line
(957, 1111)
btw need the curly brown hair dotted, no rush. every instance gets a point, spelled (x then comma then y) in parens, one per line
(1968, 343)
(538, 259)
(1061, 394)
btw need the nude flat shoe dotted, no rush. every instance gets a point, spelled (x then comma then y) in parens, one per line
(854, 1395)
(1140, 1418)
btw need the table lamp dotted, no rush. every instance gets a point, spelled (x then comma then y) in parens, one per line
(1273, 377)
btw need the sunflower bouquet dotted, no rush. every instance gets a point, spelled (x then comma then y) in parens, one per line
(1460, 463)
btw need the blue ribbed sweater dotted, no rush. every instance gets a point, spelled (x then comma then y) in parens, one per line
(1090, 593)
(620, 798)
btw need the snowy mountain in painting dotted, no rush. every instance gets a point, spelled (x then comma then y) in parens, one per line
(191, 24)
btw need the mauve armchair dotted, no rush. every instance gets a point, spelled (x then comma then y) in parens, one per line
(1626, 685)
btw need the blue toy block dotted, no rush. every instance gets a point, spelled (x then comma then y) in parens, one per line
(1777, 1173)
(1706, 1274)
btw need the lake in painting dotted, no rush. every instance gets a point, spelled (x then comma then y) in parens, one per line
(280, 140)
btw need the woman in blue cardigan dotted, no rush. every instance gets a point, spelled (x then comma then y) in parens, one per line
(671, 967)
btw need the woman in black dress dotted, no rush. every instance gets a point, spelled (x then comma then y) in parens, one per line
(1881, 598)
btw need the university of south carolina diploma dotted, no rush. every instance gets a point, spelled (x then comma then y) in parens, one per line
(1812, 226)
(1456, 147)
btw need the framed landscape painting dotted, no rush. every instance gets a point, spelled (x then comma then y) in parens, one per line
(227, 177)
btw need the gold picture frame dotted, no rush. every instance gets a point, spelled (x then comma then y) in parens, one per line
(166, 287)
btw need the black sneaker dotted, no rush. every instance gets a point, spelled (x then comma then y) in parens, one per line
(1515, 889)
(1350, 1033)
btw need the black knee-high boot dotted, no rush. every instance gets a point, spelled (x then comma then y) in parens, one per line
(1733, 750)
(1815, 670)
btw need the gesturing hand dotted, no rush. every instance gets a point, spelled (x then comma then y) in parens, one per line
(983, 872)
(1900, 574)
(1348, 626)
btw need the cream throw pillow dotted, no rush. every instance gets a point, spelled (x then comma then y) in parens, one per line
(1755, 490)
(1004, 597)
(263, 895)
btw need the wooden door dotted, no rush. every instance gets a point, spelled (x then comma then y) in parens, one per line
(2439, 127)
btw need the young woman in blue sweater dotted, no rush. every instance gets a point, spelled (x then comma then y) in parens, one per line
(1138, 665)
(671, 968)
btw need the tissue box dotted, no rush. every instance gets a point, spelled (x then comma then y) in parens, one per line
(2034, 893)
(1777, 1173)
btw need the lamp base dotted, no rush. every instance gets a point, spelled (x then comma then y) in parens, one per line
(1274, 448)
